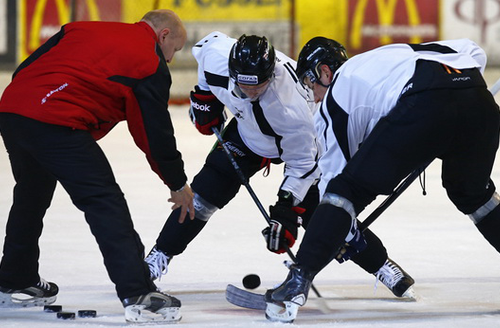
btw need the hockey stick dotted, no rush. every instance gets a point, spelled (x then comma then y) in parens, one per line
(249, 300)
(245, 182)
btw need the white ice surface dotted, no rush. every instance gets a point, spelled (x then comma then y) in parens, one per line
(457, 272)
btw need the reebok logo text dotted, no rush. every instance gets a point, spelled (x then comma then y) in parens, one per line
(203, 108)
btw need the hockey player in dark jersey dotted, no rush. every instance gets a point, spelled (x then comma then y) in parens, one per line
(407, 104)
(272, 123)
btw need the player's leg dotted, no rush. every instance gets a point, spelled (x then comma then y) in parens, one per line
(214, 187)
(373, 259)
(467, 167)
(489, 225)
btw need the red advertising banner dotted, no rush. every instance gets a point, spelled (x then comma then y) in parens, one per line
(373, 23)
(40, 19)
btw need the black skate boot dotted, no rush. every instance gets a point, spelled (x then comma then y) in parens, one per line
(43, 293)
(396, 279)
(284, 301)
(158, 263)
(155, 307)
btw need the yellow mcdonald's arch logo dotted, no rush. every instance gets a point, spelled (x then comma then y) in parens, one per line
(386, 11)
(40, 6)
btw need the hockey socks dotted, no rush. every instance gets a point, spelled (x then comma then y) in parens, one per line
(324, 236)
(489, 226)
(175, 236)
(373, 257)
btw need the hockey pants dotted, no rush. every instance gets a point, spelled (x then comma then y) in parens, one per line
(459, 126)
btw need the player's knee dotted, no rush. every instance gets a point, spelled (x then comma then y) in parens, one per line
(350, 189)
(483, 211)
(204, 210)
(345, 205)
(339, 201)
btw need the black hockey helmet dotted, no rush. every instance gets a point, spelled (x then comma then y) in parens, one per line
(251, 60)
(317, 51)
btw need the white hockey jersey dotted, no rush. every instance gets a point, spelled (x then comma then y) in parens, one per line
(278, 125)
(366, 88)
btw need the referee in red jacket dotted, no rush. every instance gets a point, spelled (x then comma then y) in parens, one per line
(70, 92)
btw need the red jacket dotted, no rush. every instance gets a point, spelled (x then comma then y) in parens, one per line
(92, 75)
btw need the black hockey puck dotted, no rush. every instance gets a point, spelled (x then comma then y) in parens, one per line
(66, 315)
(52, 308)
(87, 313)
(251, 281)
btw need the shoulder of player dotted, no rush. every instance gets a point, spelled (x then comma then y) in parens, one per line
(285, 88)
(214, 47)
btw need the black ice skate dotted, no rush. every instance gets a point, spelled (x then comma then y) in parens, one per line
(284, 301)
(396, 279)
(43, 293)
(158, 263)
(155, 307)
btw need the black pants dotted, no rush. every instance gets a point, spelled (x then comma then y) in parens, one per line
(218, 183)
(459, 126)
(42, 154)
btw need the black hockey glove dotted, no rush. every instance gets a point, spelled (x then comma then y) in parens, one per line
(353, 247)
(206, 111)
(285, 220)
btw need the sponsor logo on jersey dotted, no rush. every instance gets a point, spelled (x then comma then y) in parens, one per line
(248, 79)
(62, 87)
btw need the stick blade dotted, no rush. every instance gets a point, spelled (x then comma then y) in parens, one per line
(245, 299)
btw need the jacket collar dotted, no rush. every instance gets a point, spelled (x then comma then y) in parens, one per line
(148, 28)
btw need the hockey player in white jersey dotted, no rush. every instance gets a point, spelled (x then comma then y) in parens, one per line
(272, 123)
(405, 104)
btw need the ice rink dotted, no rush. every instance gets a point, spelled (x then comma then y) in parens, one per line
(457, 272)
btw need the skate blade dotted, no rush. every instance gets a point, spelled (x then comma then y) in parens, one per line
(410, 294)
(286, 312)
(138, 314)
(20, 300)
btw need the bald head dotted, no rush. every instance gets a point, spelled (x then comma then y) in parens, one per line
(169, 29)
(164, 18)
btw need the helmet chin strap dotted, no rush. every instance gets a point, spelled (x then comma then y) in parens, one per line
(327, 85)
(323, 85)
